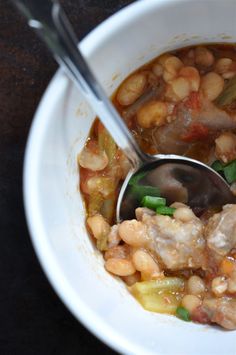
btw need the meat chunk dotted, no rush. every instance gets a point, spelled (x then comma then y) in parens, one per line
(215, 118)
(221, 311)
(168, 138)
(220, 231)
(178, 243)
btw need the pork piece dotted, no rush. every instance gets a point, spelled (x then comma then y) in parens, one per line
(178, 243)
(220, 232)
(168, 138)
(214, 118)
(220, 310)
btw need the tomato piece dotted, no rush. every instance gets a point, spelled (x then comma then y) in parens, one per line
(196, 132)
(193, 101)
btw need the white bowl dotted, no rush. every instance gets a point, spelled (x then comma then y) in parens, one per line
(53, 204)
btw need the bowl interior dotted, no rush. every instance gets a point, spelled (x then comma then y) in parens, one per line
(54, 208)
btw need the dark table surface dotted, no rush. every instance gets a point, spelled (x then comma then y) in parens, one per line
(32, 318)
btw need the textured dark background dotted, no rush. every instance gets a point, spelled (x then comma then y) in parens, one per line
(32, 318)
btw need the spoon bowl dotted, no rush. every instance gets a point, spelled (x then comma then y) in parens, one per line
(177, 179)
(174, 177)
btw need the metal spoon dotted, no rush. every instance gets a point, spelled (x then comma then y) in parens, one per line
(174, 177)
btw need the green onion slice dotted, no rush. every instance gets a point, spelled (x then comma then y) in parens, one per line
(135, 178)
(165, 210)
(139, 191)
(217, 166)
(153, 202)
(230, 172)
(183, 314)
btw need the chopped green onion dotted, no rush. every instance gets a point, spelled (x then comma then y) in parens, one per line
(217, 166)
(230, 172)
(165, 210)
(135, 178)
(139, 191)
(183, 314)
(153, 202)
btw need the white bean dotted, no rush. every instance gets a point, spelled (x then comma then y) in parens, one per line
(172, 66)
(223, 65)
(152, 114)
(142, 212)
(131, 89)
(157, 69)
(226, 147)
(92, 161)
(144, 263)
(195, 285)
(170, 95)
(120, 267)
(212, 85)
(118, 252)
(192, 75)
(113, 237)
(181, 87)
(178, 205)
(98, 226)
(204, 57)
(184, 214)
(219, 285)
(133, 233)
(190, 302)
(163, 58)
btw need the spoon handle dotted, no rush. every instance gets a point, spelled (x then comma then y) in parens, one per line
(48, 19)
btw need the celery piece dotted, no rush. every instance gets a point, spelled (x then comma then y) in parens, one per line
(108, 208)
(161, 296)
(95, 203)
(102, 243)
(228, 94)
(160, 303)
(105, 185)
(106, 143)
(170, 284)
